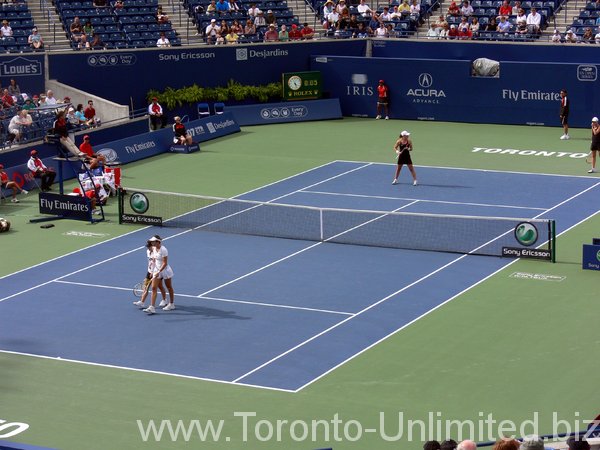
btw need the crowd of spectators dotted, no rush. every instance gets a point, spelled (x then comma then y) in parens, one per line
(533, 442)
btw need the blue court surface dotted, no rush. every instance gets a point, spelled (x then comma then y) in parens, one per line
(270, 312)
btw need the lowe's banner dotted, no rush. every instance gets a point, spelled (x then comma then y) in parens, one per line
(267, 113)
(524, 93)
(27, 70)
(122, 76)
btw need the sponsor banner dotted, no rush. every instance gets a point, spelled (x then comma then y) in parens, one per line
(537, 276)
(27, 70)
(178, 148)
(68, 206)
(537, 153)
(262, 114)
(155, 69)
(139, 219)
(526, 253)
(435, 90)
(591, 257)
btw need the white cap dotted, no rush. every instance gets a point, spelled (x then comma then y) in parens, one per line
(154, 239)
(213, 20)
(405, 133)
(594, 119)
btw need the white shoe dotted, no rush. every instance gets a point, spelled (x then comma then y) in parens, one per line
(23, 191)
(592, 170)
(567, 137)
(139, 304)
(395, 181)
(563, 137)
(169, 307)
(387, 118)
(163, 303)
(415, 183)
(96, 211)
(150, 310)
(15, 200)
(378, 117)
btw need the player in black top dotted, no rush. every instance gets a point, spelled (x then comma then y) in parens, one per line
(564, 113)
(181, 135)
(403, 147)
(595, 147)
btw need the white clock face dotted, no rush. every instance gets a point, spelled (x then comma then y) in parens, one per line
(295, 82)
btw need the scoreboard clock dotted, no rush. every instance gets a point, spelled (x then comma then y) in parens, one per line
(301, 85)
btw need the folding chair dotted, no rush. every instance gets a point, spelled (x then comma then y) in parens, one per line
(203, 110)
(219, 108)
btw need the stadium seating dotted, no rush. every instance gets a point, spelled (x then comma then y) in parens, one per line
(21, 22)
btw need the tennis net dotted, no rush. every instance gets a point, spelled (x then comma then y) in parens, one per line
(496, 236)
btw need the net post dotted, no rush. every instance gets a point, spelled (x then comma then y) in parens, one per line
(553, 239)
(120, 203)
(321, 223)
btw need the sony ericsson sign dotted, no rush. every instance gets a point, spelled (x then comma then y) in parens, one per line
(426, 92)
(139, 204)
(526, 234)
(22, 67)
(69, 206)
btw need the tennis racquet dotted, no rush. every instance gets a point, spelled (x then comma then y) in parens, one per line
(140, 288)
(588, 158)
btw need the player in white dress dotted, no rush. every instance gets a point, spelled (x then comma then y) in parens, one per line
(148, 280)
(161, 271)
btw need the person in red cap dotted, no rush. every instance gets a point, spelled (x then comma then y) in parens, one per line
(157, 117)
(39, 170)
(295, 34)
(5, 183)
(383, 94)
(94, 160)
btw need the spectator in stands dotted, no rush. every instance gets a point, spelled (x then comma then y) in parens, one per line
(6, 31)
(381, 31)
(332, 20)
(465, 33)
(386, 16)
(13, 88)
(237, 28)
(19, 125)
(81, 119)
(161, 17)
(571, 37)
(504, 25)
(270, 18)
(231, 37)
(521, 28)
(39, 170)
(253, 10)
(212, 7)
(556, 37)
(431, 445)
(467, 444)
(578, 443)
(119, 5)
(516, 8)
(76, 30)
(97, 42)
(445, 31)
(71, 118)
(272, 35)
(250, 28)
(50, 99)
(532, 442)
(224, 28)
(307, 31)
(448, 444)
(211, 32)
(181, 135)
(463, 25)
(534, 21)
(5, 183)
(295, 33)
(284, 36)
(361, 31)
(341, 6)
(157, 116)
(352, 24)
(328, 8)
(466, 9)
(234, 6)
(403, 9)
(433, 33)
(597, 37)
(259, 20)
(42, 100)
(7, 99)
(35, 40)
(415, 11)
(84, 42)
(395, 13)
(88, 29)
(588, 36)
(474, 26)
(453, 9)
(598, 21)
(222, 6)
(521, 19)
(364, 9)
(439, 24)
(163, 41)
(492, 25)
(90, 113)
(29, 105)
(100, 3)
(453, 32)
(505, 9)
(220, 40)
(506, 444)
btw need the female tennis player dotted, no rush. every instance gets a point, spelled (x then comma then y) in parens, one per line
(595, 147)
(403, 147)
(161, 271)
(148, 280)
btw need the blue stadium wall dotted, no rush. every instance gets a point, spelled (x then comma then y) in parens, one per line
(127, 76)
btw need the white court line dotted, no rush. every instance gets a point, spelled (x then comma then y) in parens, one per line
(217, 299)
(154, 372)
(426, 313)
(474, 170)
(390, 296)
(383, 197)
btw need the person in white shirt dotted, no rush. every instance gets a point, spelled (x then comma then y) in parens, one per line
(50, 98)
(259, 20)
(466, 9)
(415, 8)
(161, 271)
(212, 30)
(534, 21)
(395, 14)
(17, 125)
(6, 30)
(253, 10)
(382, 31)
(163, 41)
(556, 37)
(571, 37)
(597, 38)
(432, 33)
(364, 9)
(148, 280)
(39, 170)
(516, 8)
(385, 15)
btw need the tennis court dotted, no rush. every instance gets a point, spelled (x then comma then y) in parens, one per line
(247, 297)
(287, 328)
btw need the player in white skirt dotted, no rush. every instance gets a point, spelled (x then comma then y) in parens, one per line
(161, 271)
(148, 280)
